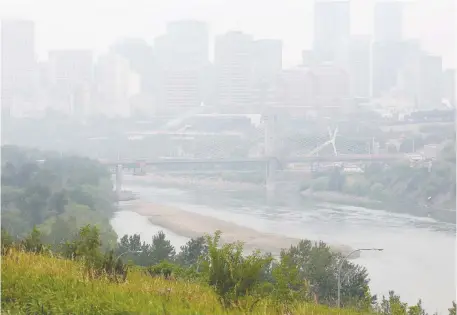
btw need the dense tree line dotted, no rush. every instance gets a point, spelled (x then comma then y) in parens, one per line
(306, 272)
(59, 194)
(425, 184)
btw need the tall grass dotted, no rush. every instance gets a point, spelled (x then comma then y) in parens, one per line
(38, 284)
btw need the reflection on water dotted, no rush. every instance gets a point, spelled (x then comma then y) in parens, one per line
(418, 252)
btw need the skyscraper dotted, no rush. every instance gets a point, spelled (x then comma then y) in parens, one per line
(266, 66)
(70, 79)
(358, 58)
(18, 65)
(233, 67)
(449, 86)
(331, 27)
(116, 84)
(388, 21)
(182, 61)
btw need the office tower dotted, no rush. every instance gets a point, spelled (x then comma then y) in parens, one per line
(308, 58)
(70, 77)
(390, 60)
(449, 87)
(141, 58)
(233, 68)
(116, 85)
(388, 21)
(321, 87)
(297, 90)
(18, 66)
(431, 82)
(182, 63)
(266, 65)
(142, 61)
(331, 27)
(358, 65)
(420, 79)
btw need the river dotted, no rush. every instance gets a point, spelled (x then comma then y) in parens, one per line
(418, 260)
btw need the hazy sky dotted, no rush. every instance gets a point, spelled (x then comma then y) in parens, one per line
(95, 24)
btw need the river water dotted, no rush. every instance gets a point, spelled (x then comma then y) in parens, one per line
(418, 260)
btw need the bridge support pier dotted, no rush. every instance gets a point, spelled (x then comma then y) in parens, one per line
(118, 181)
(271, 169)
(270, 150)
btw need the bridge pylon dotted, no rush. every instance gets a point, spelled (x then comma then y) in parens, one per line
(118, 181)
(270, 120)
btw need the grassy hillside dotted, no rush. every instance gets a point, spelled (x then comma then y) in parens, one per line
(37, 284)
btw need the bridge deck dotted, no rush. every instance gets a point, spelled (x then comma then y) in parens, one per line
(340, 158)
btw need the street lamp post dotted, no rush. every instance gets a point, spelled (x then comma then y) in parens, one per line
(129, 251)
(341, 265)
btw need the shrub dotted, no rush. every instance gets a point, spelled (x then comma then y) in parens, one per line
(230, 274)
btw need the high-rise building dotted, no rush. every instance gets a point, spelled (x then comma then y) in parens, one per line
(266, 66)
(390, 60)
(449, 87)
(331, 27)
(116, 85)
(297, 90)
(18, 65)
(388, 21)
(358, 65)
(143, 61)
(233, 68)
(308, 58)
(332, 86)
(70, 77)
(420, 79)
(141, 58)
(431, 82)
(322, 87)
(182, 62)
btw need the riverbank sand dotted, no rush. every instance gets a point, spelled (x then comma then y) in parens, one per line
(192, 225)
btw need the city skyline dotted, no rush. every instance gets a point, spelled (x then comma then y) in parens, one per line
(295, 27)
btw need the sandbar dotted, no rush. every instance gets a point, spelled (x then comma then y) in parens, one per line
(191, 225)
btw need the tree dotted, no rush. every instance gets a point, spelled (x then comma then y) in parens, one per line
(192, 251)
(288, 286)
(33, 242)
(231, 274)
(392, 306)
(6, 241)
(86, 246)
(58, 201)
(336, 179)
(61, 230)
(318, 265)
(131, 248)
(161, 249)
(452, 310)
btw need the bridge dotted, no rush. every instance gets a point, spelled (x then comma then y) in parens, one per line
(233, 164)
(269, 163)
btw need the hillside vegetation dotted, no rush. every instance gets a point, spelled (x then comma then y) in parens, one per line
(36, 284)
(54, 262)
(421, 184)
(58, 194)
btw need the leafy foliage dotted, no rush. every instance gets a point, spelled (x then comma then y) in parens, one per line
(53, 192)
(230, 273)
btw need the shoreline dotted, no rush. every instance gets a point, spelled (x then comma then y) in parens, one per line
(394, 206)
(191, 225)
(183, 182)
(442, 215)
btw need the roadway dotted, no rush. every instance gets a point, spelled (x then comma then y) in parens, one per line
(242, 163)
